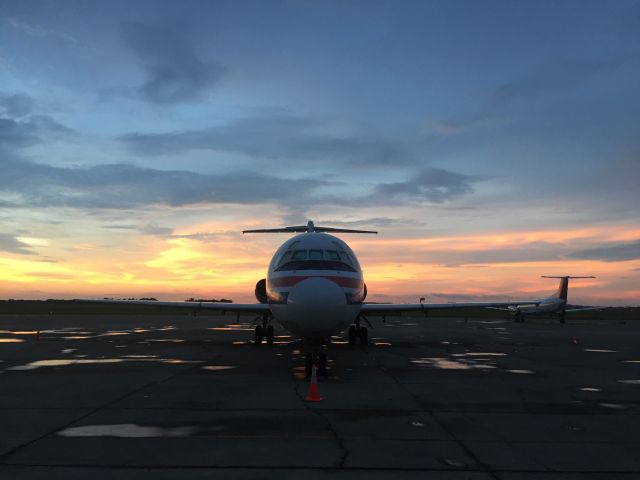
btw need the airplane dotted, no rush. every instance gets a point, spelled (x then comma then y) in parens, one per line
(315, 288)
(555, 304)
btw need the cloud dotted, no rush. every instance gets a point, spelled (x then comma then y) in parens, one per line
(9, 243)
(432, 184)
(29, 131)
(127, 186)
(148, 229)
(16, 105)
(556, 75)
(34, 30)
(275, 134)
(174, 71)
(610, 253)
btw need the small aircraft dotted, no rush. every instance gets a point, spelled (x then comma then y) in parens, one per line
(555, 304)
(315, 288)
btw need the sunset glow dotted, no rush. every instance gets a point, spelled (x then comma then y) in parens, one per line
(137, 143)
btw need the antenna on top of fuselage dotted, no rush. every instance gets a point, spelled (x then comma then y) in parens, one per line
(308, 228)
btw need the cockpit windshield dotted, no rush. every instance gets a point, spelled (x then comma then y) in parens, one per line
(315, 259)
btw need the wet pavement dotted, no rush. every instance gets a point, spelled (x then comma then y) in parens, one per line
(184, 397)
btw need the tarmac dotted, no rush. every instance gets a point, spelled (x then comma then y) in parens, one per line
(167, 397)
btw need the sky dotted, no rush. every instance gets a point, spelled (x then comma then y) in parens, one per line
(489, 142)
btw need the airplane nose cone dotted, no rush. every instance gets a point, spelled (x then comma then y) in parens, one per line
(318, 306)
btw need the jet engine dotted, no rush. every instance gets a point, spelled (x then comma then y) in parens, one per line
(261, 291)
(364, 294)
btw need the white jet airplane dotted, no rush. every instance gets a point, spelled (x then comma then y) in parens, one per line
(315, 288)
(555, 304)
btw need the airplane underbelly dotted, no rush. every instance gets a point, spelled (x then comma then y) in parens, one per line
(315, 307)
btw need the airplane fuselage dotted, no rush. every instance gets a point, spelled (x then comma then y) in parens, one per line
(314, 285)
(548, 306)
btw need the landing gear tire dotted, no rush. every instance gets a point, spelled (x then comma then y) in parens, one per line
(259, 335)
(308, 364)
(268, 333)
(353, 335)
(364, 336)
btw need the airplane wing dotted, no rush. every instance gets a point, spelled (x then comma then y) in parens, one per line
(388, 308)
(219, 306)
(582, 309)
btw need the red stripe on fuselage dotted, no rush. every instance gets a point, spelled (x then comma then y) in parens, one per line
(347, 282)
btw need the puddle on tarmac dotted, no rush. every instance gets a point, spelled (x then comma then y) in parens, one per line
(218, 368)
(382, 344)
(76, 337)
(631, 361)
(68, 350)
(128, 430)
(479, 354)
(19, 332)
(525, 372)
(590, 389)
(232, 329)
(299, 373)
(630, 382)
(599, 350)
(240, 342)
(442, 363)
(11, 340)
(165, 340)
(87, 361)
(615, 406)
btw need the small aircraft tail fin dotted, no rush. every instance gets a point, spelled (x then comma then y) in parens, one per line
(309, 227)
(563, 288)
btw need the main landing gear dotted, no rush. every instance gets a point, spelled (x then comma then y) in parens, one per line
(264, 332)
(358, 332)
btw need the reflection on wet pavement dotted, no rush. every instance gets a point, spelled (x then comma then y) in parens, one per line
(526, 372)
(217, 368)
(599, 350)
(127, 430)
(11, 340)
(229, 328)
(590, 389)
(616, 406)
(630, 382)
(18, 332)
(69, 361)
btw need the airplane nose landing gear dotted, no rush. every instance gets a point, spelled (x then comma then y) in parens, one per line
(321, 363)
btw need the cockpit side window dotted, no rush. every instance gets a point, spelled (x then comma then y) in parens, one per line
(346, 258)
(285, 257)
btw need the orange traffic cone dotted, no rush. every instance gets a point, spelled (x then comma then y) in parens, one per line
(313, 395)
(574, 340)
